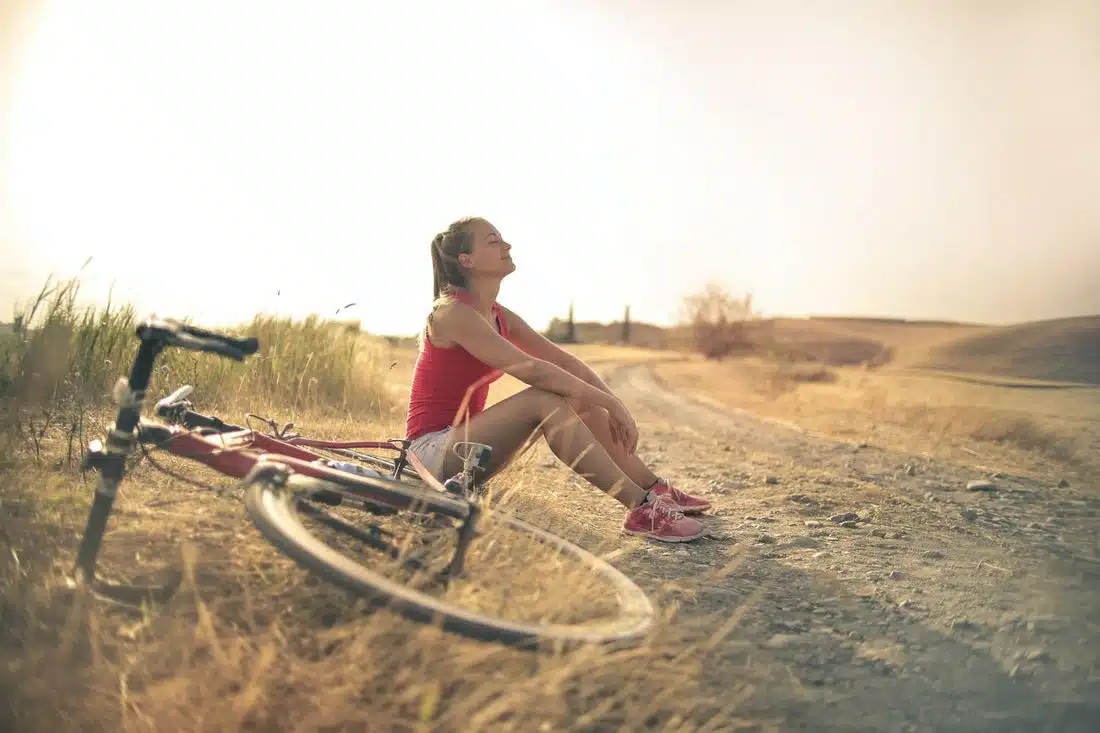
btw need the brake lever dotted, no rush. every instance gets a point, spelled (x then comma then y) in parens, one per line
(172, 404)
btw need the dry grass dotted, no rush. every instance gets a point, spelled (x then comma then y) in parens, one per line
(254, 643)
(906, 411)
(61, 364)
(1059, 350)
(251, 642)
(1055, 350)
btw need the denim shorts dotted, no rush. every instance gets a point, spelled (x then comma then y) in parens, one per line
(429, 449)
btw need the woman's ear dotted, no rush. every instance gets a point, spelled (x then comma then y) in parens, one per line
(465, 260)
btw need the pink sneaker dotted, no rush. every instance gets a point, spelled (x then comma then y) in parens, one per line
(660, 519)
(688, 504)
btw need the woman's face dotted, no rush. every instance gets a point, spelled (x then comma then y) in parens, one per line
(489, 254)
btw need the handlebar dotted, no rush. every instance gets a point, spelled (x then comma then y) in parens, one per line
(173, 333)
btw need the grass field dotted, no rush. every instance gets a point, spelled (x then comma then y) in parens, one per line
(253, 643)
(917, 411)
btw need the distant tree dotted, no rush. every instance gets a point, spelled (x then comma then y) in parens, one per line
(626, 326)
(717, 320)
(570, 333)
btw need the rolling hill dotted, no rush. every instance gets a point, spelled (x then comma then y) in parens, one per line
(1065, 350)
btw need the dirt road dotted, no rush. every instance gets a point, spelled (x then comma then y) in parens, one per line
(891, 596)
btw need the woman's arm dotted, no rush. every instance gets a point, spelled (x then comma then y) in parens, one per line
(540, 347)
(459, 323)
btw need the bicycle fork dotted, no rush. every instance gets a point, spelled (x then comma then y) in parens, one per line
(110, 462)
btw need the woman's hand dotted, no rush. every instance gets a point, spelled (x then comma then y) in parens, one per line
(623, 430)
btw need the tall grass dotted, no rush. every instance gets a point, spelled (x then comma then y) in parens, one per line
(63, 358)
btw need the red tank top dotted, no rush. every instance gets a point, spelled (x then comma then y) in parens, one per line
(442, 380)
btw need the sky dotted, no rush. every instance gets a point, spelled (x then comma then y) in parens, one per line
(910, 158)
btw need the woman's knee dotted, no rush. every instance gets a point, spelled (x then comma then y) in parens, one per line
(547, 403)
(583, 409)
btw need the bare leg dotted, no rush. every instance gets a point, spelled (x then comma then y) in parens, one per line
(598, 421)
(509, 424)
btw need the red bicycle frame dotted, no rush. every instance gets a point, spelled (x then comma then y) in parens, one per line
(237, 453)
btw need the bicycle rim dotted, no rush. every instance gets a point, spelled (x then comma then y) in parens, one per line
(276, 508)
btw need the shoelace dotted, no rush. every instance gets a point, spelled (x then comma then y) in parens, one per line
(666, 507)
(673, 492)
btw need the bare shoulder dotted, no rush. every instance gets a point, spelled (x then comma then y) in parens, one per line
(450, 319)
(512, 319)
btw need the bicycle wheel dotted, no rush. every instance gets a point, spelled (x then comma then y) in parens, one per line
(415, 579)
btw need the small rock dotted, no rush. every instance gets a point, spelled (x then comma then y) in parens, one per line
(851, 524)
(969, 514)
(1062, 484)
(819, 555)
(963, 624)
(910, 470)
(896, 535)
(781, 641)
(682, 552)
(727, 448)
(895, 575)
(1043, 624)
(813, 524)
(802, 542)
(771, 479)
(932, 555)
(906, 604)
(878, 533)
(766, 539)
(801, 499)
(981, 485)
(1037, 655)
(846, 517)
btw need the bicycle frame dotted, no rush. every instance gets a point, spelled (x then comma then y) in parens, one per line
(239, 452)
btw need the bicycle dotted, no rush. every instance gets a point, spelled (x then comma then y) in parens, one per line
(286, 478)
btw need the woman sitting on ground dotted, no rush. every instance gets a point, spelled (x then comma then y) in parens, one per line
(470, 340)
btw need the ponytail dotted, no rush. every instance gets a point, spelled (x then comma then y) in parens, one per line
(439, 277)
(447, 272)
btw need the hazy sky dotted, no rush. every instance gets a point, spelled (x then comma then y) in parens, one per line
(924, 158)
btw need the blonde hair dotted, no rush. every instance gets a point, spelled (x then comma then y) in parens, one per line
(447, 272)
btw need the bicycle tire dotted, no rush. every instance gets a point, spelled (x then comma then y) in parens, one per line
(272, 505)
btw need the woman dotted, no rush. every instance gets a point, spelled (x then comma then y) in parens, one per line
(470, 340)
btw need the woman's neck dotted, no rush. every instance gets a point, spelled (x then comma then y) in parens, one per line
(482, 294)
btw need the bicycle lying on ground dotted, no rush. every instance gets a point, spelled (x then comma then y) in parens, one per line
(288, 478)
